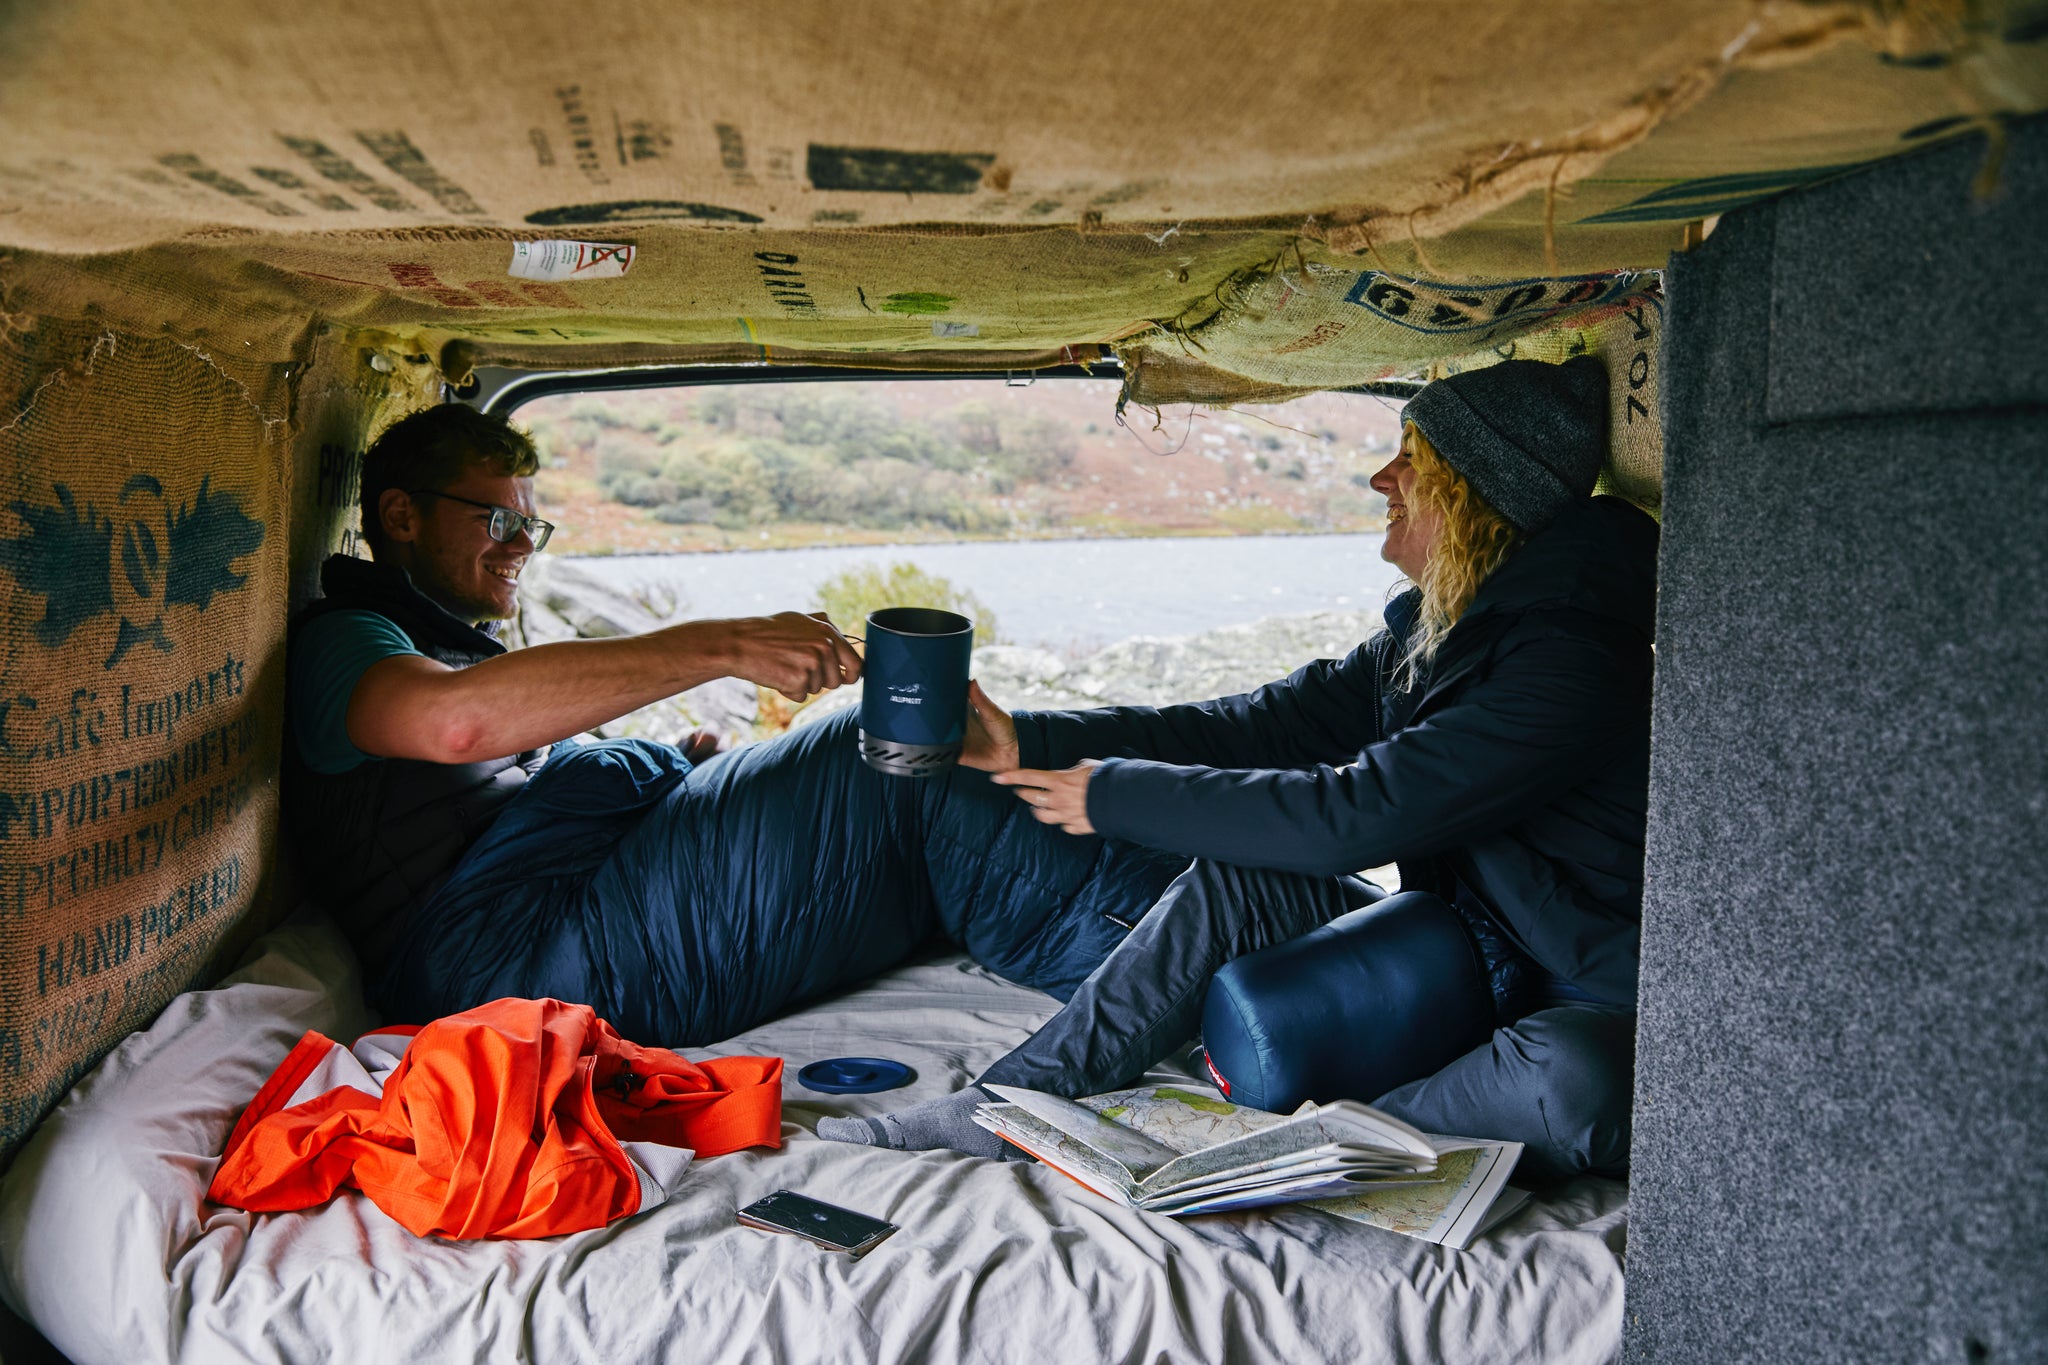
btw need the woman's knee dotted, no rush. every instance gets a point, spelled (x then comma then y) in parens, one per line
(1581, 1074)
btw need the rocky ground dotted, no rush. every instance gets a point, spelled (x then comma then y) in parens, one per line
(560, 601)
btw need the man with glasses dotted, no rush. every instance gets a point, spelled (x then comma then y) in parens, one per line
(684, 901)
(412, 727)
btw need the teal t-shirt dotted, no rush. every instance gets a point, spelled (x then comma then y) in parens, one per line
(329, 657)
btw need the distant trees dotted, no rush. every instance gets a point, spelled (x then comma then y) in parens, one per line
(820, 463)
(744, 458)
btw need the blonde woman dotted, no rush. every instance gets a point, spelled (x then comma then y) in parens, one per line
(1494, 741)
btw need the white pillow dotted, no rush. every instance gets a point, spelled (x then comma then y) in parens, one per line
(110, 1190)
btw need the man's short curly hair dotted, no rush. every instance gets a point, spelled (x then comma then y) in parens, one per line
(432, 448)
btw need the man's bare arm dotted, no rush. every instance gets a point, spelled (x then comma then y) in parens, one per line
(409, 706)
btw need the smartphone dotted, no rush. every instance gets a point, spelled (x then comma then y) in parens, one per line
(828, 1225)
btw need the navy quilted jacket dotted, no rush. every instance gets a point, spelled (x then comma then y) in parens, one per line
(1519, 770)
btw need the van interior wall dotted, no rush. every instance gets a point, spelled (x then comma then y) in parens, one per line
(162, 504)
(1841, 1144)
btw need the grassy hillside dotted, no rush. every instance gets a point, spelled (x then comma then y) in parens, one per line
(780, 465)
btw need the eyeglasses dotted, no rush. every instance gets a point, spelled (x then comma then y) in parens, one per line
(506, 522)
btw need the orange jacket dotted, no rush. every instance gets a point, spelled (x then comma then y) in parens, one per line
(504, 1121)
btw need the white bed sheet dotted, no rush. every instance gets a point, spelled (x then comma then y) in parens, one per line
(108, 1245)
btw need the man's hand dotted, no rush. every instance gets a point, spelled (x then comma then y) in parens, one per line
(796, 654)
(991, 735)
(1056, 798)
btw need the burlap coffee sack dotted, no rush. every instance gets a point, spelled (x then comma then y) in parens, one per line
(1502, 146)
(1624, 330)
(1763, 130)
(1406, 298)
(142, 593)
(352, 386)
(1158, 376)
(944, 293)
(798, 113)
(1316, 326)
(459, 358)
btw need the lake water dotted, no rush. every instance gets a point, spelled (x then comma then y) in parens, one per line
(1064, 595)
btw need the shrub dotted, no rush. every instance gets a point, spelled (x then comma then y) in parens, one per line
(620, 457)
(1009, 448)
(1037, 447)
(687, 512)
(717, 407)
(847, 597)
(638, 490)
(735, 458)
(732, 478)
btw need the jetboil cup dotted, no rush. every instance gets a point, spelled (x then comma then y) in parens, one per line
(913, 705)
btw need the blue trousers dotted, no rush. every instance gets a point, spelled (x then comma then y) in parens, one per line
(1558, 1080)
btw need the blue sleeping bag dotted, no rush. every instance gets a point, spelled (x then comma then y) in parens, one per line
(689, 904)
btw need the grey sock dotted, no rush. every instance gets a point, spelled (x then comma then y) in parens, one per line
(947, 1121)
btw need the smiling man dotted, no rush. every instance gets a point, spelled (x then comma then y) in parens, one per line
(412, 726)
(684, 900)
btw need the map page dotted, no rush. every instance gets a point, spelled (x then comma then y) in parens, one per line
(1323, 1165)
(1448, 1205)
(1302, 1134)
(1449, 1210)
(1294, 1189)
(1106, 1176)
(1066, 1154)
(1176, 1144)
(1135, 1153)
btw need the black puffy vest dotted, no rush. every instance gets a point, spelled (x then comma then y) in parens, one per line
(378, 840)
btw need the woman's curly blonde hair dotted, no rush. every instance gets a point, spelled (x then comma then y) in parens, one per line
(1471, 541)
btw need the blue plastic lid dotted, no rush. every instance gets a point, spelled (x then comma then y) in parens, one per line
(854, 1075)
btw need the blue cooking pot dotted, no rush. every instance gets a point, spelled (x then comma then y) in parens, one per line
(913, 705)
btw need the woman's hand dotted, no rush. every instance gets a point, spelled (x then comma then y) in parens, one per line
(1056, 798)
(991, 743)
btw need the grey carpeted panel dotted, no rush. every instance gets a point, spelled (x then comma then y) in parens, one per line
(1900, 290)
(1841, 1143)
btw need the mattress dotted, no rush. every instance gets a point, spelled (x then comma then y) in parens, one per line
(108, 1245)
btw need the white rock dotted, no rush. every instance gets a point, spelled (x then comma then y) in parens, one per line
(830, 704)
(575, 594)
(540, 624)
(1016, 664)
(730, 706)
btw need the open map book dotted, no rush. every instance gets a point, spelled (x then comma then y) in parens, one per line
(1177, 1151)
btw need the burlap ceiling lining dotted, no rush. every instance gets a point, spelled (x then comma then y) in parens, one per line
(1493, 148)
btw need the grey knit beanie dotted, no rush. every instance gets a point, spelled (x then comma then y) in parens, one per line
(1528, 436)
